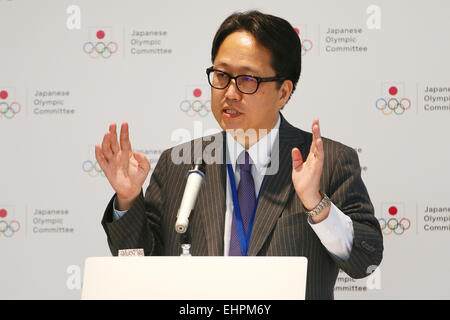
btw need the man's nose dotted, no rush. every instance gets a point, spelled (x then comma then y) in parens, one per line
(232, 92)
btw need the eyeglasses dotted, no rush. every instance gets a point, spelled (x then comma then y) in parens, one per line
(245, 83)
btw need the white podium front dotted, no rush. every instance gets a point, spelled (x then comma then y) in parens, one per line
(195, 278)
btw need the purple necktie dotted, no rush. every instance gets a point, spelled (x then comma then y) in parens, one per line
(247, 199)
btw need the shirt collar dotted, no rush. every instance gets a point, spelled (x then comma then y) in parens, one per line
(259, 153)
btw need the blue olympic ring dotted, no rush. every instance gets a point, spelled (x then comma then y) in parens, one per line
(93, 169)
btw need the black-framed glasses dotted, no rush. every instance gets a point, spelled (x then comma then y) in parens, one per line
(245, 83)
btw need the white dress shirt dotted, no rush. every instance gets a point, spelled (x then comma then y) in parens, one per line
(335, 232)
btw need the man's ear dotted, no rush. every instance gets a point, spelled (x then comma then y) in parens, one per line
(285, 93)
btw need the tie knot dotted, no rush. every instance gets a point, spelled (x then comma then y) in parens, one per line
(247, 163)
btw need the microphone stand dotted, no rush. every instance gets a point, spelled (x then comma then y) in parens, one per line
(185, 244)
(182, 226)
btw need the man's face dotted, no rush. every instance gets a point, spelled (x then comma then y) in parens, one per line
(240, 53)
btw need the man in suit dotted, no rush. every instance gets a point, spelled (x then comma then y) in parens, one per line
(276, 191)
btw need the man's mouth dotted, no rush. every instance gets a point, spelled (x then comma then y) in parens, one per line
(231, 113)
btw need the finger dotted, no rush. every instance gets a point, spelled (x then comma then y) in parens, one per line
(315, 122)
(318, 142)
(142, 161)
(316, 129)
(319, 147)
(100, 157)
(106, 146)
(297, 159)
(313, 151)
(114, 143)
(125, 144)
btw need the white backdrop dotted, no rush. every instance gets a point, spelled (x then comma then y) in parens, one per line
(381, 85)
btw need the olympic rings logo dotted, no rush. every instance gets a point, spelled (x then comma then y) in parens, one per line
(394, 226)
(100, 49)
(306, 46)
(9, 229)
(196, 107)
(393, 105)
(9, 110)
(92, 168)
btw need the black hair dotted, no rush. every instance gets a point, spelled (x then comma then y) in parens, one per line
(273, 33)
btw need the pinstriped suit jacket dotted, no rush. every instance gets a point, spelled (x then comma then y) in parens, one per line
(280, 226)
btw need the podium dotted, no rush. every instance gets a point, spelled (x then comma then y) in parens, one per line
(194, 278)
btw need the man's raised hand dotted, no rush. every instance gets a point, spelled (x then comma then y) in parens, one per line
(306, 174)
(126, 170)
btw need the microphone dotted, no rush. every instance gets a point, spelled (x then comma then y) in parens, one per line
(194, 181)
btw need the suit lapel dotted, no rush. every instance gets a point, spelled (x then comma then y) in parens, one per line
(211, 202)
(276, 188)
(275, 192)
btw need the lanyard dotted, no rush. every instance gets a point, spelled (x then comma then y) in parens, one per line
(244, 240)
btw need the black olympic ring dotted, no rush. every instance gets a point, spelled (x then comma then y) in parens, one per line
(393, 105)
(5, 227)
(195, 107)
(93, 169)
(100, 48)
(392, 225)
(9, 110)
